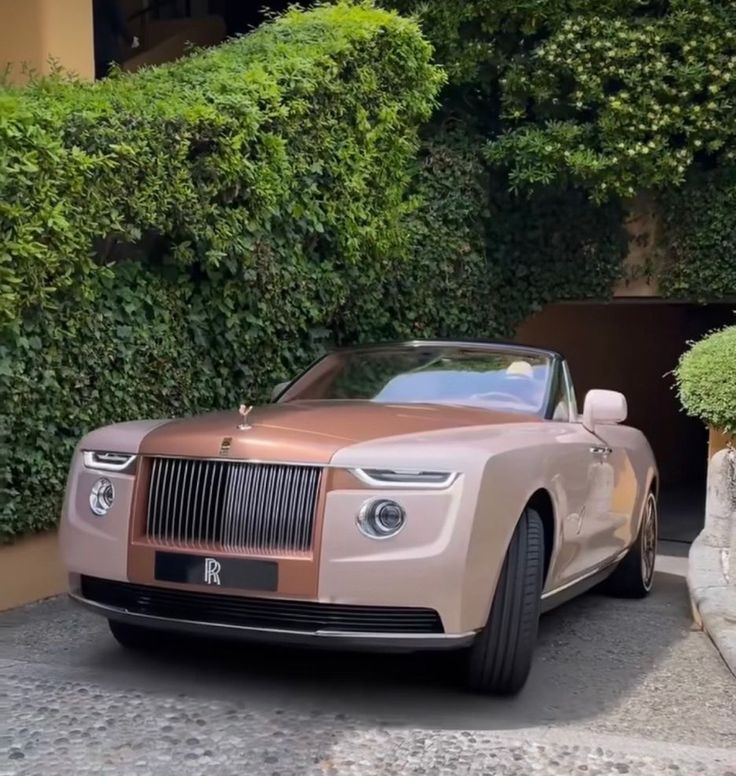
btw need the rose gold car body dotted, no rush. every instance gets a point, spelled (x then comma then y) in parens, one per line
(589, 481)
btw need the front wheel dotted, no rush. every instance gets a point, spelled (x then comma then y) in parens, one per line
(634, 576)
(500, 659)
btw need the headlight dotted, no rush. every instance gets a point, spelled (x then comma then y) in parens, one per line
(111, 462)
(101, 496)
(381, 518)
(405, 478)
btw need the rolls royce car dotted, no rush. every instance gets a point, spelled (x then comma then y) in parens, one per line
(428, 495)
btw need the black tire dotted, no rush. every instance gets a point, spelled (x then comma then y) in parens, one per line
(634, 575)
(500, 659)
(133, 636)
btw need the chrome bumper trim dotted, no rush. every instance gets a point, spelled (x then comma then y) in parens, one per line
(390, 642)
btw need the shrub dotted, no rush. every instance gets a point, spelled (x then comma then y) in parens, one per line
(485, 258)
(181, 239)
(615, 95)
(624, 101)
(476, 40)
(705, 380)
(300, 130)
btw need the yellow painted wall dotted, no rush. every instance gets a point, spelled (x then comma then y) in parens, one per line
(36, 31)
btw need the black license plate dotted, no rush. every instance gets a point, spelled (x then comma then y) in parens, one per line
(215, 571)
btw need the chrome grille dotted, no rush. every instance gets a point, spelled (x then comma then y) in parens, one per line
(234, 505)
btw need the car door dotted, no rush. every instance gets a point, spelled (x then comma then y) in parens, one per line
(592, 509)
(607, 524)
(613, 497)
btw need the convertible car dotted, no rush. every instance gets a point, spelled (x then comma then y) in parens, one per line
(424, 495)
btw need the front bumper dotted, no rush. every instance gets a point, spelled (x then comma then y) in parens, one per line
(311, 624)
(423, 566)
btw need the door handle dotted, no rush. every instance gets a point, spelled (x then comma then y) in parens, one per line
(601, 450)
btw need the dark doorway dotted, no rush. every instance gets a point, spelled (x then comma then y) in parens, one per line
(243, 15)
(632, 346)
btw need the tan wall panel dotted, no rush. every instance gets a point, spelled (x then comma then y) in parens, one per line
(35, 32)
(69, 34)
(30, 569)
(21, 40)
(643, 262)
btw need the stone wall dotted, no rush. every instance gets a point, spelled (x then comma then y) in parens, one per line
(712, 567)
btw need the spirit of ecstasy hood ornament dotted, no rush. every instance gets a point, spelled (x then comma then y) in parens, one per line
(244, 411)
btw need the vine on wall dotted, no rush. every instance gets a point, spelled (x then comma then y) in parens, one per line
(609, 99)
(700, 228)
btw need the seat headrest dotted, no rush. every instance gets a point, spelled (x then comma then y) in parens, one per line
(520, 369)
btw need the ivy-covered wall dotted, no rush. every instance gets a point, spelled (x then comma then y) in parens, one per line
(700, 227)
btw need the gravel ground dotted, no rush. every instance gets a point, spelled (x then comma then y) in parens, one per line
(617, 687)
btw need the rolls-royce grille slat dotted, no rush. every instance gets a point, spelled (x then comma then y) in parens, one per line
(235, 505)
(239, 528)
(302, 616)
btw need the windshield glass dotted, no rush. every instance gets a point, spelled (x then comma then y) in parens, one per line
(503, 380)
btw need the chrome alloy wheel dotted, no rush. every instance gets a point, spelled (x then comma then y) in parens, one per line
(649, 541)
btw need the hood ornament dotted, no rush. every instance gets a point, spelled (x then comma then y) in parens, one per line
(245, 411)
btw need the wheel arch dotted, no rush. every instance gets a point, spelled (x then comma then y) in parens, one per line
(513, 480)
(541, 502)
(654, 485)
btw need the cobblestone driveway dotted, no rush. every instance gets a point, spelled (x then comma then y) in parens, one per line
(618, 687)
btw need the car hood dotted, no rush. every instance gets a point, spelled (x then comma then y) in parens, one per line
(309, 431)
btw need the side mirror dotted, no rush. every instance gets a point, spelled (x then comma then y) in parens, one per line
(603, 408)
(278, 390)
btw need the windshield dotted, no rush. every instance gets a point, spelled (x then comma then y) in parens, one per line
(503, 380)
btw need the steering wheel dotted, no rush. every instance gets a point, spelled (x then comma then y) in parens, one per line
(499, 396)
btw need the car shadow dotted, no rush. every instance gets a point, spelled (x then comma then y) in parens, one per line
(592, 653)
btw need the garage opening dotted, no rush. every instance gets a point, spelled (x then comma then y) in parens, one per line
(632, 346)
(241, 17)
(167, 29)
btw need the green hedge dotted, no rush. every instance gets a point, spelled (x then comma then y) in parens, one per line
(182, 238)
(705, 381)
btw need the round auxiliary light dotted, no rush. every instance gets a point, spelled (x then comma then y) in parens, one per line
(101, 496)
(381, 518)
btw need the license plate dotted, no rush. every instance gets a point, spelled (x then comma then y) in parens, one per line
(216, 571)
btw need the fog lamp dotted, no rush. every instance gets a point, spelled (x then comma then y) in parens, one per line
(101, 496)
(381, 518)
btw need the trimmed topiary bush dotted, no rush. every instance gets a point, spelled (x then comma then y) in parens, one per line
(300, 131)
(705, 380)
(183, 238)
